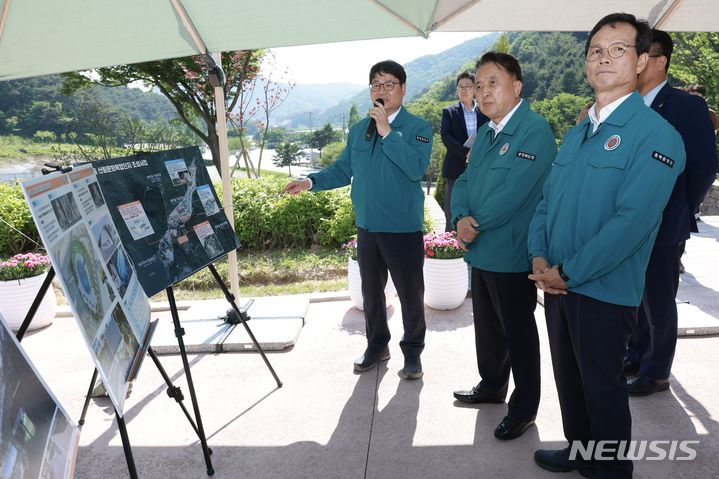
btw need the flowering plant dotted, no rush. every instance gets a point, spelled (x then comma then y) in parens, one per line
(23, 266)
(350, 248)
(442, 246)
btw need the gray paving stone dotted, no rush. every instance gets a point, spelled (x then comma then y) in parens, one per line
(201, 335)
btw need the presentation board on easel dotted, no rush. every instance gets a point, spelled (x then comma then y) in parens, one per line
(37, 438)
(167, 214)
(97, 277)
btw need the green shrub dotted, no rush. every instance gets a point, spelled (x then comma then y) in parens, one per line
(331, 152)
(428, 224)
(439, 187)
(341, 227)
(15, 221)
(267, 219)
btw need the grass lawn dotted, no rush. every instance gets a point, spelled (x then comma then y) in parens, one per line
(18, 148)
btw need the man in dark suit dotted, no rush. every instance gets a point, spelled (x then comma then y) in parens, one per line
(651, 348)
(459, 122)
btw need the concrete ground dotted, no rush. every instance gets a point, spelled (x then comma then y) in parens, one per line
(327, 422)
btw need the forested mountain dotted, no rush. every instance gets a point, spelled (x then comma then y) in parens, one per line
(552, 63)
(34, 104)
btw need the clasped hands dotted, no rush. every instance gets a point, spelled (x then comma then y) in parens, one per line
(466, 232)
(547, 277)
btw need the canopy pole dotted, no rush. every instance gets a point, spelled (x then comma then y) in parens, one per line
(189, 26)
(399, 17)
(455, 13)
(3, 16)
(221, 126)
(667, 15)
(225, 174)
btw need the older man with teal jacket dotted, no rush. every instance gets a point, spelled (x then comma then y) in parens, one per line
(385, 159)
(492, 205)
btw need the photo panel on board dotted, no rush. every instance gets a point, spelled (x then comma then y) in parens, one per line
(97, 277)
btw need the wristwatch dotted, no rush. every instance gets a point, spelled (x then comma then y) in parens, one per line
(311, 180)
(562, 274)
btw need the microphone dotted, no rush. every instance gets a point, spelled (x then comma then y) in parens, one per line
(372, 126)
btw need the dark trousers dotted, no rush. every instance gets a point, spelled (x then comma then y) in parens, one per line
(588, 338)
(505, 335)
(448, 185)
(403, 255)
(653, 344)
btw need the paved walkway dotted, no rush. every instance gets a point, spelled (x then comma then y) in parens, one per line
(326, 422)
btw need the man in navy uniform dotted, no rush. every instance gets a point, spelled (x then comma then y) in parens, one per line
(386, 169)
(652, 346)
(460, 122)
(493, 202)
(590, 241)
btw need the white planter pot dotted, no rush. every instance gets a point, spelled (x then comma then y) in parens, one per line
(17, 296)
(445, 283)
(354, 285)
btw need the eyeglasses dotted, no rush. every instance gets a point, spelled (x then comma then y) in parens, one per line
(615, 50)
(388, 85)
(465, 87)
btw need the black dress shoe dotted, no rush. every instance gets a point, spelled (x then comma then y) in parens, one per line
(630, 368)
(412, 369)
(557, 460)
(369, 359)
(511, 428)
(476, 396)
(644, 386)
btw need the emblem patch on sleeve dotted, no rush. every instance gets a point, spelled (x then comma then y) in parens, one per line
(526, 156)
(663, 158)
(422, 139)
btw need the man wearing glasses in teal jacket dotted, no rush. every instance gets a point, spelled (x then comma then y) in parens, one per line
(590, 241)
(384, 160)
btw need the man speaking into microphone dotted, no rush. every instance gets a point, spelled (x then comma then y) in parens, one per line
(384, 159)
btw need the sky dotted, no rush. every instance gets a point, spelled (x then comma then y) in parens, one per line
(350, 62)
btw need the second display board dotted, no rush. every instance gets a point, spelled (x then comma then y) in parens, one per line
(167, 214)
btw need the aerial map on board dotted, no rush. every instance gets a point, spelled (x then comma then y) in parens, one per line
(167, 214)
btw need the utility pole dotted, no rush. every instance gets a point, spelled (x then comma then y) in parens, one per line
(342, 117)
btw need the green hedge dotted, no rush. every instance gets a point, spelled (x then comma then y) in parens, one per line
(266, 219)
(439, 188)
(15, 221)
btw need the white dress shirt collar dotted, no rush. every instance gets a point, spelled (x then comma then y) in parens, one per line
(604, 112)
(497, 127)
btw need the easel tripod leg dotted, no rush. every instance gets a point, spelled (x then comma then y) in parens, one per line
(126, 445)
(81, 422)
(231, 299)
(174, 392)
(179, 332)
(35, 304)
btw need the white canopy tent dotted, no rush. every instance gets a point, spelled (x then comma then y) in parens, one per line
(39, 37)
